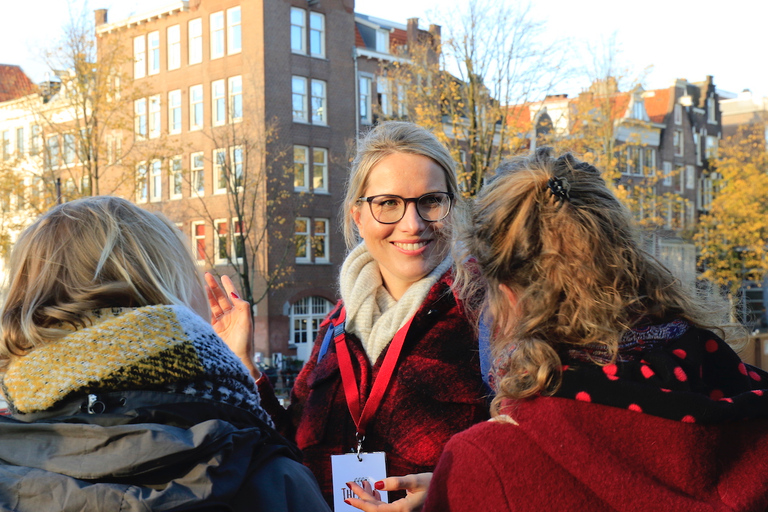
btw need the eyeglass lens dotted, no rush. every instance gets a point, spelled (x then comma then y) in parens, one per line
(430, 207)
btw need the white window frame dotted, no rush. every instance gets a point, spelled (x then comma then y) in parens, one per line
(711, 150)
(299, 98)
(690, 177)
(300, 168)
(174, 112)
(365, 90)
(198, 241)
(678, 113)
(140, 118)
(235, 100)
(196, 108)
(68, 149)
(142, 183)
(195, 41)
(319, 102)
(711, 110)
(173, 37)
(307, 258)
(156, 181)
(237, 164)
(234, 31)
(218, 102)
(219, 161)
(153, 125)
(320, 170)
(35, 139)
(667, 171)
(306, 315)
(317, 34)
(680, 146)
(321, 238)
(649, 161)
(175, 178)
(139, 57)
(217, 239)
(153, 53)
(697, 147)
(197, 173)
(52, 152)
(383, 92)
(20, 142)
(382, 41)
(218, 35)
(298, 30)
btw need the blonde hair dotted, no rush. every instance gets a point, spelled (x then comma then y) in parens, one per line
(383, 140)
(88, 254)
(574, 264)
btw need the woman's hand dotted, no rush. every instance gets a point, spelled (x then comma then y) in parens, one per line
(415, 487)
(231, 319)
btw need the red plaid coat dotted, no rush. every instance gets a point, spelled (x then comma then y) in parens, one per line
(435, 392)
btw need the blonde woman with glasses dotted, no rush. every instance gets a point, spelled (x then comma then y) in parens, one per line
(395, 367)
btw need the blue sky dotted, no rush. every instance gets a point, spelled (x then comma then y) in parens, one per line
(679, 39)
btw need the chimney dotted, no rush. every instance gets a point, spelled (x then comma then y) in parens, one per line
(100, 16)
(412, 32)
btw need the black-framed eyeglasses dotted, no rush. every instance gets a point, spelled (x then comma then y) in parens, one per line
(390, 209)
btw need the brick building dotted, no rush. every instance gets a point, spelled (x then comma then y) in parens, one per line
(247, 103)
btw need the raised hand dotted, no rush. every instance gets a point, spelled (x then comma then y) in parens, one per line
(231, 319)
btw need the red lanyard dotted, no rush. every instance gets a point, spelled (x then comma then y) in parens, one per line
(380, 384)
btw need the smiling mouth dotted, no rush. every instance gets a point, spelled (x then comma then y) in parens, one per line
(411, 246)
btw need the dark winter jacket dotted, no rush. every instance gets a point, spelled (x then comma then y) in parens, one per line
(148, 450)
(436, 391)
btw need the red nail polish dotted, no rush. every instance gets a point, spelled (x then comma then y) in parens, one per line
(379, 485)
(349, 485)
(234, 295)
(347, 502)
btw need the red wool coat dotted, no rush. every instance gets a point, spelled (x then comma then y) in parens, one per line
(570, 455)
(436, 391)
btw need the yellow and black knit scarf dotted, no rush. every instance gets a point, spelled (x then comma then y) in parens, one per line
(165, 348)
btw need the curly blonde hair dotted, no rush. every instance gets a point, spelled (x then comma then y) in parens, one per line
(93, 253)
(573, 262)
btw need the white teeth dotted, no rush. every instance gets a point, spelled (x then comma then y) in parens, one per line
(411, 247)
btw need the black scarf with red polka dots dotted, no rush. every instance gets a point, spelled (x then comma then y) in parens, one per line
(674, 371)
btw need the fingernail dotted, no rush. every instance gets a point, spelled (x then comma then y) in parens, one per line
(348, 502)
(234, 295)
(349, 485)
(379, 485)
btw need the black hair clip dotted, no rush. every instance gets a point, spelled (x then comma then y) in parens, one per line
(559, 188)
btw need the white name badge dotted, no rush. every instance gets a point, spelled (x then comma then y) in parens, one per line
(348, 468)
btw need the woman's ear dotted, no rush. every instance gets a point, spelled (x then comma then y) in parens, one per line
(355, 213)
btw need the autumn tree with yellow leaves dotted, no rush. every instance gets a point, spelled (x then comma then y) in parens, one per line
(732, 236)
(459, 87)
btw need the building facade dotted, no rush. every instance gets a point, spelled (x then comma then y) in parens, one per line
(242, 125)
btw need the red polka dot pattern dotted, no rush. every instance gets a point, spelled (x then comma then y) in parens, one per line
(646, 371)
(693, 377)
(610, 371)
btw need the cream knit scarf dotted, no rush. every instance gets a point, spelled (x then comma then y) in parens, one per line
(372, 314)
